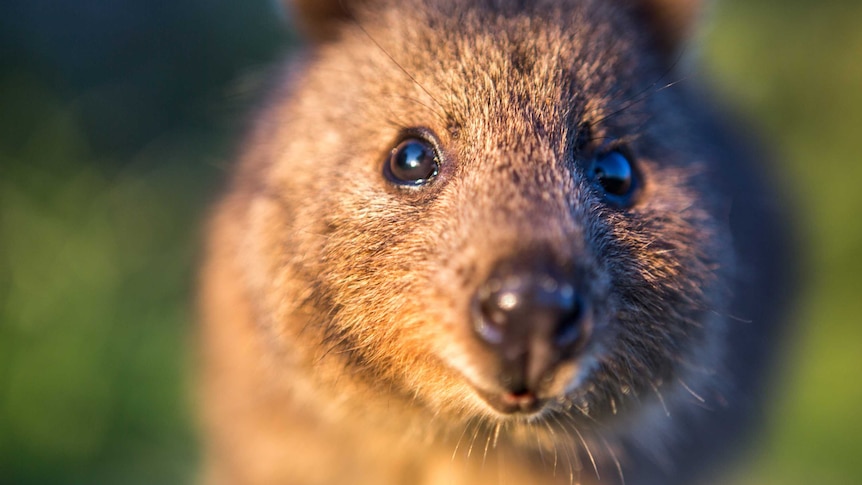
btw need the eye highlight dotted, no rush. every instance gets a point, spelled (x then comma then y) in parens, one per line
(615, 174)
(412, 162)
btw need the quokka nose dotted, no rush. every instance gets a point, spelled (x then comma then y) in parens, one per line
(531, 314)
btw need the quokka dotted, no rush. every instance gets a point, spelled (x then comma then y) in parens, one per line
(474, 242)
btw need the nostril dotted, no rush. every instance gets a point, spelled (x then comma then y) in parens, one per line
(561, 307)
(498, 300)
(569, 324)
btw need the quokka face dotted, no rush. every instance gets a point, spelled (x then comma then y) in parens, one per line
(516, 214)
(495, 212)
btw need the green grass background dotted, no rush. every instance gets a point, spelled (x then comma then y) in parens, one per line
(99, 241)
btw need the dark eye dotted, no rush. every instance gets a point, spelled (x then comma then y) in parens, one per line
(413, 162)
(615, 174)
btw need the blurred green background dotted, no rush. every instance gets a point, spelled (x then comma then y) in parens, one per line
(116, 122)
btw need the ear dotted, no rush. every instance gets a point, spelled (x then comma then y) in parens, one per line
(319, 19)
(672, 23)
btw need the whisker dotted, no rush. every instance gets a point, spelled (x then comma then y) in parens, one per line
(574, 428)
(660, 398)
(473, 441)
(691, 391)
(569, 450)
(554, 436)
(487, 445)
(645, 93)
(539, 444)
(437, 113)
(463, 432)
(615, 459)
(391, 58)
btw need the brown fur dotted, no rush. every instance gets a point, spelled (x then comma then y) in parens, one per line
(336, 337)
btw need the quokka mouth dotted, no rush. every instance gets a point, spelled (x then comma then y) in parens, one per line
(524, 403)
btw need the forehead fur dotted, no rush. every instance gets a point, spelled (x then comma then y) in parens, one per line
(498, 73)
(493, 57)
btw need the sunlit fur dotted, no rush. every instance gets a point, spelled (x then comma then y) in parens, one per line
(337, 341)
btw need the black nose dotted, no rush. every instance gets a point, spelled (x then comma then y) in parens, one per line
(531, 314)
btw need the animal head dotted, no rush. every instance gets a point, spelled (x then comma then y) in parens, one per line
(488, 210)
